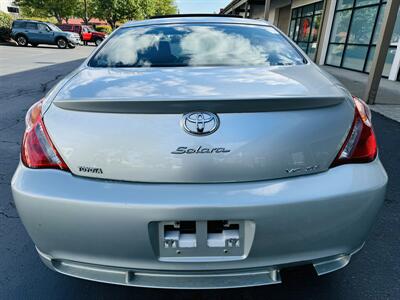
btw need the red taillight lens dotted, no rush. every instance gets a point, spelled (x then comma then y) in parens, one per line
(37, 149)
(360, 145)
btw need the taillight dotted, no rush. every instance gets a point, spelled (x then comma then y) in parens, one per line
(37, 149)
(360, 145)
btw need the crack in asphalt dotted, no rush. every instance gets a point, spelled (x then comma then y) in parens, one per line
(44, 86)
(10, 142)
(18, 93)
(11, 126)
(8, 216)
(41, 89)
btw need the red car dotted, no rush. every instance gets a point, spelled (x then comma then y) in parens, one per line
(87, 33)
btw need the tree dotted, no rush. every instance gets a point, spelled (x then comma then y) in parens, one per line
(86, 9)
(116, 10)
(112, 11)
(146, 8)
(5, 26)
(121, 10)
(60, 9)
(165, 7)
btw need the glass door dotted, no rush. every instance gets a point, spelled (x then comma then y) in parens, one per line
(304, 27)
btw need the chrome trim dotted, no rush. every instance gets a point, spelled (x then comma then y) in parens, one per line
(200, 123)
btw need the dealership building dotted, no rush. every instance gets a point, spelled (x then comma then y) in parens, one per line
(339, 33)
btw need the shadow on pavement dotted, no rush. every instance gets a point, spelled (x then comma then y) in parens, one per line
(44, 46)
(37, 80)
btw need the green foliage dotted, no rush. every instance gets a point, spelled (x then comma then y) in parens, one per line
(116, 10)
(104, 28)
(88, 13)
(27, 12)
(122, 10)
(165, 7)
(5, 26)
(148, 8)
(145, 9)
(42, 19)
(60, 9)
(112, 11)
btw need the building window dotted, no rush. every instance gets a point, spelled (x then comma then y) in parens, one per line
(355, 32)
(14, 10)
(304, 27)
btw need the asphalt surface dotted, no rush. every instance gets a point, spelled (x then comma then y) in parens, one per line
(374, 273)
(17, 59)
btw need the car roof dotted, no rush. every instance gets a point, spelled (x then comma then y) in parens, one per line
(176, 19)
(32, 21)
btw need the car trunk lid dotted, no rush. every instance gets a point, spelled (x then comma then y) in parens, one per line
(125, 124)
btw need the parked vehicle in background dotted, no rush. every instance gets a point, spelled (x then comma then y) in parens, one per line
(26, 32)
(87, 33)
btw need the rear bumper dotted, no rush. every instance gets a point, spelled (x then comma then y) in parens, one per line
(100, 230)
(212, 279)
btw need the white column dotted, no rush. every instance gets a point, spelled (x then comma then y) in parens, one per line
(246, 9)
(329, 14)
(266, 9)
(382, 48)
(394, 70)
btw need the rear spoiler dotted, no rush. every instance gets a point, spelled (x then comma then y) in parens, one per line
(181, 106)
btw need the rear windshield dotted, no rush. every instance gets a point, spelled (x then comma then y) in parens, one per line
(196, 45)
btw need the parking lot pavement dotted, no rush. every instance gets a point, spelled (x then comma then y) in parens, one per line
(388, 98)
(374, 273)
(14, 59)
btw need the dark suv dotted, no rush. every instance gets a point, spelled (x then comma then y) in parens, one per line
(87, 33)
(26, 32)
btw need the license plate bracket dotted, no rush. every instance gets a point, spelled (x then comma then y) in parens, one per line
(204, 240)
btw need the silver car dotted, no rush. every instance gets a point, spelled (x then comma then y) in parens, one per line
(198, 152)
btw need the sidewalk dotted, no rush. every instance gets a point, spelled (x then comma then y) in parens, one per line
(388, 98)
